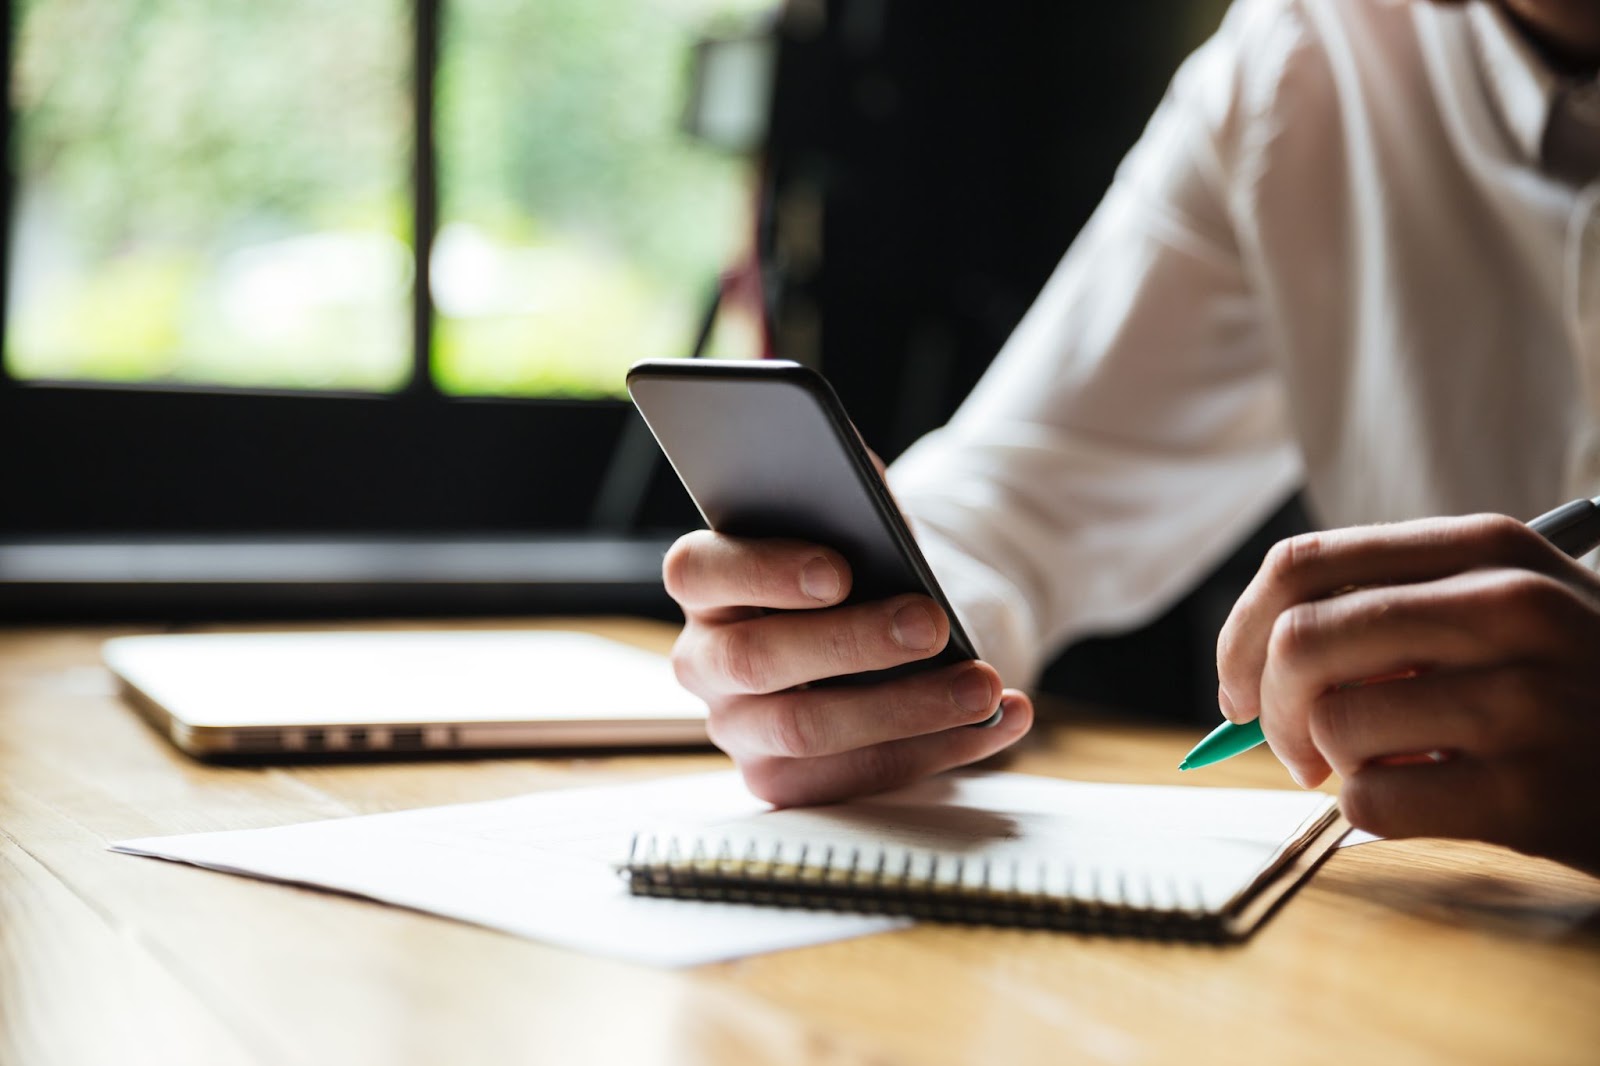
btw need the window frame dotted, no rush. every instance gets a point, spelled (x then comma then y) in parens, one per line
(161, 458)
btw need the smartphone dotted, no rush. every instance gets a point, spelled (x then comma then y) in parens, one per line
(766, 450)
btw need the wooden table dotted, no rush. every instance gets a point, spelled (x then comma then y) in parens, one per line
(1395, 953)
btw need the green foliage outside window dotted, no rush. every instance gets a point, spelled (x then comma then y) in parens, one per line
(218, 191)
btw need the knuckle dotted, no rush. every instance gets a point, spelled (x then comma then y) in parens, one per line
(1335, 728)
(686, 659)
(1291, 557)
(1294, 633)
(1511, 590)
(755, 579)
(1501, 536)
(1280, 559)
(843, 648)
(793, 732)
(886, 765)
(743, 660)
(1303, 551)
(1548, 599)
(1535, 605)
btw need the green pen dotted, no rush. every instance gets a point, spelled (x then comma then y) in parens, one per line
(1223, 742)
(1573, 527)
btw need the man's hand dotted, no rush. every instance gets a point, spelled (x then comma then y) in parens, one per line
(763, 621)
(1480, 646)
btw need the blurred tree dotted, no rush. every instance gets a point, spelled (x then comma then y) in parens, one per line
(178, 120)
(219, 191)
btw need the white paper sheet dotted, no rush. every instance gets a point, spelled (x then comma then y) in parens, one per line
(538, 866)
(542, 866)
(1358, 836)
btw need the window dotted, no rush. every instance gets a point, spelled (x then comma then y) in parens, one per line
(579, 229)
(212, 193)
(372, 264)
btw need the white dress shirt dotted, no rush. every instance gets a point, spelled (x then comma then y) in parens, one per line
(1357, 249)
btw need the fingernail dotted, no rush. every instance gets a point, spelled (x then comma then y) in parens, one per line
(914, 627)
(820, 580)
(1225, 703)
(973, 691)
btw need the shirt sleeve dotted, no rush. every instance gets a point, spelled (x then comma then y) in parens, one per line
(1133, 429)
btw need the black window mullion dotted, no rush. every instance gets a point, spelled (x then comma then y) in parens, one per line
(425, 193)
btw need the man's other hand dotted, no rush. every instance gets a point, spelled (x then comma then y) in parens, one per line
(1447, 669)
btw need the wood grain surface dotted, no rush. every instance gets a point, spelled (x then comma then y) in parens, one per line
(1396, 952)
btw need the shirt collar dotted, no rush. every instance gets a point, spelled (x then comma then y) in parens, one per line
(1521, 85)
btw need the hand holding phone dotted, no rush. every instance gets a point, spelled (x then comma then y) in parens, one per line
(831, 661)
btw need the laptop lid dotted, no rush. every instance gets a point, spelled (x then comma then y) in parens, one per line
(220, 694)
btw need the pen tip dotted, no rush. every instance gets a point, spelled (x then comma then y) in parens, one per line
(1184, 765)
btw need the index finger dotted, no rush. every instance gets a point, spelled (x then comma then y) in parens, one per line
(711, 574)
(1316, 566)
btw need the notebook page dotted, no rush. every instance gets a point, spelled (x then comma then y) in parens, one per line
(1156, 847)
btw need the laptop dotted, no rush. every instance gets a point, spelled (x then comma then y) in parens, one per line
(218, 695)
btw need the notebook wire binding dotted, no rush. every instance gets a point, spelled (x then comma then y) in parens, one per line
(925, 885)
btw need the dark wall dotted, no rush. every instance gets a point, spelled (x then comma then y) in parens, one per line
(931, 163)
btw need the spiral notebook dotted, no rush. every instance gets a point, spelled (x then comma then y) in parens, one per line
(1011, 849)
